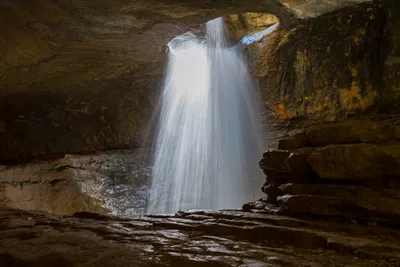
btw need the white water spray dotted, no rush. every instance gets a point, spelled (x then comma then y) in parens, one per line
(208, 144)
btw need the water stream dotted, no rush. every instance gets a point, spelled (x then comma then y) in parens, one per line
(209, 139)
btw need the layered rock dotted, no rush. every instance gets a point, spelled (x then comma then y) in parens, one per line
(346, 171)
(199, 238)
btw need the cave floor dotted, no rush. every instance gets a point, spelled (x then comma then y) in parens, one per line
(195, 238)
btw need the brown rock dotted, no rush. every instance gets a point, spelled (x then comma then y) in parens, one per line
(279, 177)
(397, 132)
(350, 131)
(272, 191)
(293, 142)
(77, 183)
(60, 197)
(297, 160)
(296, 66)
(332, 190)
(213, 238)
(294, 161)
(356, 161)
(275, 160)
(341, 206)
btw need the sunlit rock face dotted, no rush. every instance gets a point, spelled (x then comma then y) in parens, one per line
(331, 67)
(240, 25)
(313, 8)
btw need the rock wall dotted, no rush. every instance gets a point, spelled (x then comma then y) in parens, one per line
(112, 114)
(113, 182)
(242, 24)
(78, 77)
(346, 171)
(335, 66)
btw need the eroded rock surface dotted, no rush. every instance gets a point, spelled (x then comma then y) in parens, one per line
(115, 182)
(199, 238)
(345, 171)
(303, 83)
(81, 77)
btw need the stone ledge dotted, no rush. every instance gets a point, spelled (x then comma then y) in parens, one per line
(196, 238)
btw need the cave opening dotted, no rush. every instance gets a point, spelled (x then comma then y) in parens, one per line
(311, 102)
(121, 182)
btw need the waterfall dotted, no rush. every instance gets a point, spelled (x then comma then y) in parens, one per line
(208, 140)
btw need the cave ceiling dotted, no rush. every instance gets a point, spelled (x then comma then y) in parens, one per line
(54, 45)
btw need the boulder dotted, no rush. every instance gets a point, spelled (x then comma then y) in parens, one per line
(356, 161)
(275, 160)
(272, 191)
(294, 161)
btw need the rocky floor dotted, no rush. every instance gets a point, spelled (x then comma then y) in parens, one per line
(346, 171)
(332, 199)
(113, 182)
(198, 238)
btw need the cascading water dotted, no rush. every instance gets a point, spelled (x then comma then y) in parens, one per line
(208, 142)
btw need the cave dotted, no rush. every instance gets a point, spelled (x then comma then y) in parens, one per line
(199, 133)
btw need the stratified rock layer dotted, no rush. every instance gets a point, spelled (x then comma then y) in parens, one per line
(357, 161)
(351, 173)
(226, 238)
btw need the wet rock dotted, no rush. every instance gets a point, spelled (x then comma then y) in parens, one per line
(258, 204)
(57, 197)
(219, 238)
(357, 161)
(114, 181)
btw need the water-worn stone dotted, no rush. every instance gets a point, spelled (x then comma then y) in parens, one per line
(115, 181)
(197, 238)
(357, 161)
